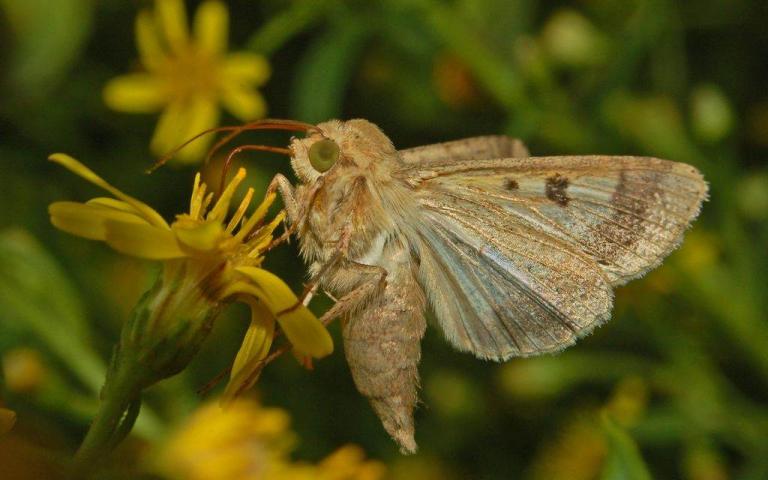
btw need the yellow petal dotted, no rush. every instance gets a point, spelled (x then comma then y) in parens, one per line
(81, 170)
(199, 236)
(172, 21)
(143, 241)
(86, 220)
(212, 27)
(255, 346)
(246, 69)
(305, 332)
(135, 93)
(150, 50)
(114, 204)
(202, 114)
(170, 129)
(7, 420)
(244, 103)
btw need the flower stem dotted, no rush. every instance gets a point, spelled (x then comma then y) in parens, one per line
(118, 408)
(162, 336)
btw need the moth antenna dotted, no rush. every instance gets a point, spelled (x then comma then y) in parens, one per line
(264, 124)
(164, 159)
(243, 148)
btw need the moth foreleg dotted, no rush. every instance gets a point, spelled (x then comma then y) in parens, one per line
(374, 282)
(282, 185)
(374, 278)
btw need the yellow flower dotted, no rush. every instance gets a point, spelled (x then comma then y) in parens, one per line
(218, 259)
(188, 76)
(349, 463)
(245, 441)
(24, 370)
(577, 452)
(241, 441)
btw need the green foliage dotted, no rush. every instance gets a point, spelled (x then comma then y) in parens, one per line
(46, 42)
(40, 305)
(677, 80)
(624, 461)
(323, 74)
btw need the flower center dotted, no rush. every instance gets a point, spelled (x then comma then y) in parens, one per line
(190, 74)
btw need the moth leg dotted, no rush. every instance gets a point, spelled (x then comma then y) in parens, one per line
(374, 284)
(312, 285)
(342, 244)
(282, 185)
(331, 296)
(373, 278)
(308, 297)
(291, 206)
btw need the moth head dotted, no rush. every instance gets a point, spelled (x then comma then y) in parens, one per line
(333, 145)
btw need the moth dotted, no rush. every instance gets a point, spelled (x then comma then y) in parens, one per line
(515, 255)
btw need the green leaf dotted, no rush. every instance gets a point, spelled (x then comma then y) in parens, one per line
(38, 301)
(282, 27)
(324, 72)
(624, 461)
(46, 40)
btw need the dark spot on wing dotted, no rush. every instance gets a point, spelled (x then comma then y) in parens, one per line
(556, 189)
(511, 184)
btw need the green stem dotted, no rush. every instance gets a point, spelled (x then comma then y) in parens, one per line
(118, 409)
(162, 336)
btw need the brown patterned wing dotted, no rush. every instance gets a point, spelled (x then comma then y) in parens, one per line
(518, 255)
(474, 148)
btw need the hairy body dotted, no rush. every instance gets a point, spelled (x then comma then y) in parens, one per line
(516, 255)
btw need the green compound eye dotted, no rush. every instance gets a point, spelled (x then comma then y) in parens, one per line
(323, 154)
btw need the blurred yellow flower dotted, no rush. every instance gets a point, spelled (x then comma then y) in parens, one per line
(23, 370)
(699, 252)
(217, 260)
(7, 420)
(579, 450)
(245, 441)
(241, 441)
(188, 75)
(576, 452)
(534, 378)
(348, 463)
(570, 39)
(629, 401)
(702, 461)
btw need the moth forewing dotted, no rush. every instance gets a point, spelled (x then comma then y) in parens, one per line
(626, 213)
(468, 149)
(516, 255)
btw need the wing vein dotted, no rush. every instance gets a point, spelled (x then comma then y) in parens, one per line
(546, 286)
(485, 327)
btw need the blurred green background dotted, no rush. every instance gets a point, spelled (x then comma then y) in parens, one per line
(675, 385)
